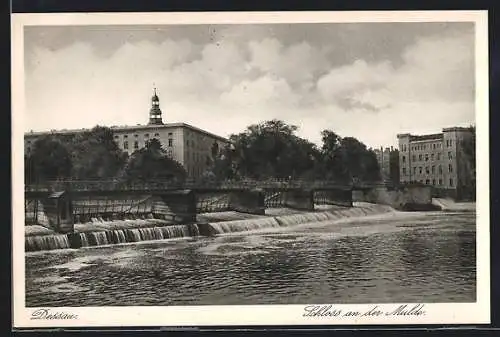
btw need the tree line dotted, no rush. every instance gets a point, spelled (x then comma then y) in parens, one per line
(271, 149)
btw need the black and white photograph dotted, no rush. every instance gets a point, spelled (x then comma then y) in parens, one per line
(331, 166)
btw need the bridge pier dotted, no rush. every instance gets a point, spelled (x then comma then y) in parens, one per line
(248, 201)
(58, 210)
(300, 199)
(178, 206)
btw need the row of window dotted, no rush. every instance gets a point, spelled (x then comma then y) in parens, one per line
(429, 170)
(136, 144)
(426, 157)
(434, 181)
(421, 147)
(146, 135)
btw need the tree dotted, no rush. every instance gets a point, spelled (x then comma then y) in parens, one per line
(50, 160)
(270, 150)
(152, 163)
(347, 159)
(96, 155)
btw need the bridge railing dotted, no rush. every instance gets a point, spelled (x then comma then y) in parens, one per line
(77, 185)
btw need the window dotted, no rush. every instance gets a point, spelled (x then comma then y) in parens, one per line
(404, 170)
(449, 155)
(432, 156)
(136, 135)
(427, 169)
(125, 145)
(136, 145)
(420, 157)
(440, 181)
(414, 158)
(433, 169)
(404, 159)
(125, 136)
(404, 147)
(427, 182)
(451, 182)
(434, 182)
(420, 169)
(434, 146)
(440, 169)
(157, 135)
(146, 135)
(426, 157)
(415, 170)
(439, 156)
(170, 134)
(450, 168)
(170, 142)
(116, 137)
(29, 149)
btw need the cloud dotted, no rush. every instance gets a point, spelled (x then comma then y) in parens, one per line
(238, 78)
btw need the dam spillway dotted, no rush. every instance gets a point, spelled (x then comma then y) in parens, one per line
(101, 233)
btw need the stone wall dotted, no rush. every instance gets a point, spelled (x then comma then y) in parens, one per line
(406, 198)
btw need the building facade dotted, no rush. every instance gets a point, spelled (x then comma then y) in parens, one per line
(189, 145)
(436, 160)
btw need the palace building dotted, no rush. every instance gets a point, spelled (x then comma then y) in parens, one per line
(189, 145)
(437, 160)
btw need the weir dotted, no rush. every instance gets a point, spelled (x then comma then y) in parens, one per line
(130, 235)
(60, 210)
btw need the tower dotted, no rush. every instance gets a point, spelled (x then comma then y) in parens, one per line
(155, 112)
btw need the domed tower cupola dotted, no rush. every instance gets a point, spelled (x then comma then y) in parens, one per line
(155, 111)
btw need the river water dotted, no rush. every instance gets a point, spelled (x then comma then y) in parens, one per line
(390, 257)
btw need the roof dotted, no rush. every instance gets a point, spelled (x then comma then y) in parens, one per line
(128, 128)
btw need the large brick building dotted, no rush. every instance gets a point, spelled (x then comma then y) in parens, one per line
(437, 160)
(189, 145)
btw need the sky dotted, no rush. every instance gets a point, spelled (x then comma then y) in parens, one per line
(365, 80)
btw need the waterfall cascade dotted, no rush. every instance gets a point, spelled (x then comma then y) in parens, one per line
(296, 219)
(101, 238)
(100, 233)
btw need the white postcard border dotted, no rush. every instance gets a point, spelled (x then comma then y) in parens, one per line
(439, 313)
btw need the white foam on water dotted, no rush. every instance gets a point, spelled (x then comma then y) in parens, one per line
(37, 230)
(77, 263)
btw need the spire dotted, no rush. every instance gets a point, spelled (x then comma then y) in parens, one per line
(155, 111)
